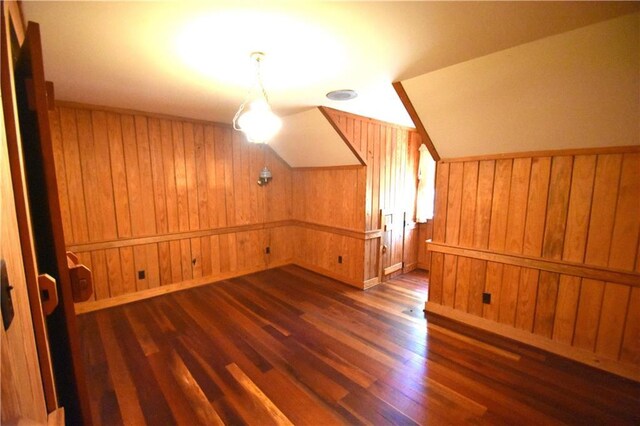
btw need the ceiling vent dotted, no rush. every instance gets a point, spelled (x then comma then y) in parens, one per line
(342, 95)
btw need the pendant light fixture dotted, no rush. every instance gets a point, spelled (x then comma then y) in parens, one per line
(254, 117)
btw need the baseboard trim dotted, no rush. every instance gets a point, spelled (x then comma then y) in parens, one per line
(371, 282)
(85, 307)
(330, 274)
(585, 357)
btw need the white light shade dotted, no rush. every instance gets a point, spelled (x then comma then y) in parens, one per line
(258, 122)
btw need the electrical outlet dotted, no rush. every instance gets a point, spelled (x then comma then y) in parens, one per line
(486, 298)
(339, 259)
(267, 250)
(141, 275)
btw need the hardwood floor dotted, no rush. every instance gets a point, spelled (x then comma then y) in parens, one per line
(290, 346)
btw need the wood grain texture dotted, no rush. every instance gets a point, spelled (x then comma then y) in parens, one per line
(558, 234)
(386, 181)
(161, 177)
(171, 184)
(23, 390)
(288, 345)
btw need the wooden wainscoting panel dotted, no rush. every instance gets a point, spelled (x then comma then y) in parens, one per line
(555, 242)
(566, 308)
(584, 169)
(486, 170)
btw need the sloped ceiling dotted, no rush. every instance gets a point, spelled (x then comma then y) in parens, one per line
(190, 58)
(572, 90)
(308, 140)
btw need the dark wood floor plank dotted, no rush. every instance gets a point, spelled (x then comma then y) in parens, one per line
(288, 346)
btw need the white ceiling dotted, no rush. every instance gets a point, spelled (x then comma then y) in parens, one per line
(579, 89)
(307, 139)
(191, 58)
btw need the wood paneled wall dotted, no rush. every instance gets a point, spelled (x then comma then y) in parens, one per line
(178, 200)
(390, 179)
(175, 198)
(425, 232)
(554, 240)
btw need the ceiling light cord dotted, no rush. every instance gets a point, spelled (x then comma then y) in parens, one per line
(257, 57)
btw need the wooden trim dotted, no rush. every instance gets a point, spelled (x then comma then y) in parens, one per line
(409, 267)
(352, 233)
(393, 268)
(373, 234)
(14, 10)
(126, 242)
(56, 417)
(78, 105)
(558, 266)
(345, 167)
(548, 153)
(85, 307)
(330, 274)
(580, 355)
(369, 119)
(404, 98)
(341, 134)
(424, 266)
(371, 282)
(14, 152)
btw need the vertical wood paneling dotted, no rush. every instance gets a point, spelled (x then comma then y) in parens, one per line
(468, 207)
(584, 168)
(164, 256)
(557, 206)
(100, 274)
(518, 195)
(611, 325)
(476, 286)
(630, 351)
(486, 170)
(73, 168)
(132, 169)
(146, 176)
(440, 206)
(449, 280)
(180, 175)
(536, 205)
(624, 241)
(526, 305)
(435, 279)
(100, 222)
(190, 168)
(546, 303)
(462, 283)
(61, 173)
(566, 308)
(119, 175)
(454, 203)
(580, 208)
(498, 234)
(127, 265)
(169, 166)
(157, 171)
(603, 211)
(114, 272)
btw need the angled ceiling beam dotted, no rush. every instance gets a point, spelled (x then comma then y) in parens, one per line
(338, 130)
(416, 119)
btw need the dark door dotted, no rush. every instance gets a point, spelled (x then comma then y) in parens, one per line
(48, 238)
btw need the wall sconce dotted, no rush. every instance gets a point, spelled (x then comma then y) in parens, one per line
(265, 176)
